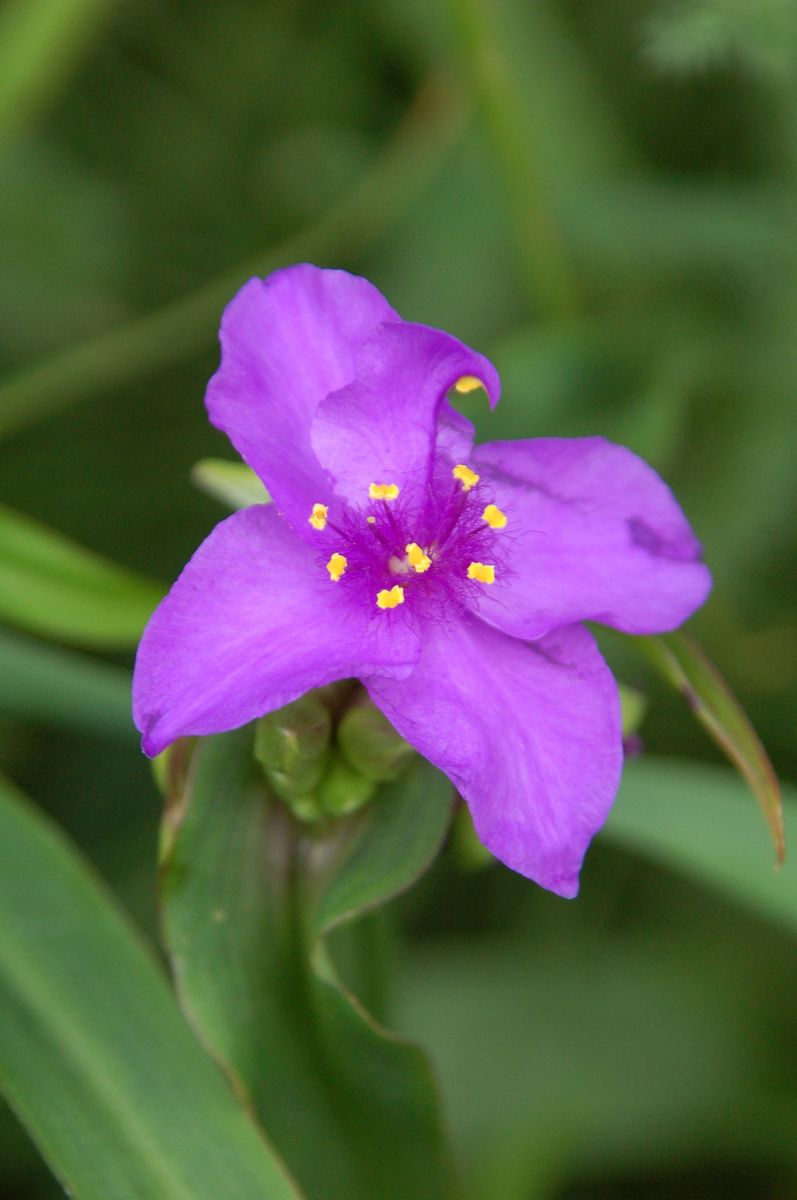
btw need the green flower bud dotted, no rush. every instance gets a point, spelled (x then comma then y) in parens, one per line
(306, 809)
(343, 790)
(170, 767)
(370, 744)
(292, 746)
(170, 772)
(160, 771)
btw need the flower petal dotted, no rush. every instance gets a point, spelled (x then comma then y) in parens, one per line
(529, 733)
(593, 533)
(287, 341)
(383, 426)
(455, 435)
(253, 622)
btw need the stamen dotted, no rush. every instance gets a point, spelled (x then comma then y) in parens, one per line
(377, 532)
(337, 566)
(390, 597)
(494, 517)
(468, 383)
(466, 477)
(383, 491)
(318, 517)
(481, 572)
(417, 559)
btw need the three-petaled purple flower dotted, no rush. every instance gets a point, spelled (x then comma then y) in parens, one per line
(452, 579)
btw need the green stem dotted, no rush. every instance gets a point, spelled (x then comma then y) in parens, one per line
(433, 124)
(41, 44)
(540, 241)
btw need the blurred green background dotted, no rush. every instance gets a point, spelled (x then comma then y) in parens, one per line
(602, 196)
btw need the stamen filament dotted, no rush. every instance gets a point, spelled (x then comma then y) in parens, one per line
(380, 537)
(443, 538)
(391, 520)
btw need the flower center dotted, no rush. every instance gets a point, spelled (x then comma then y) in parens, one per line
(440, 545)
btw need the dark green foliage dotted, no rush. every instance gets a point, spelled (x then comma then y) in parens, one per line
(602, 197)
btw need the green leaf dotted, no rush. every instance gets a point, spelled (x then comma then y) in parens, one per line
(576, 1014)
(233, 483)
(62, 688)
(95, 1055)
(52, 587)
(704, 33)
(249, 896)
(685, 665)
(696, 818)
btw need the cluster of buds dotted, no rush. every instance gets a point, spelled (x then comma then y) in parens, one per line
(325, 754)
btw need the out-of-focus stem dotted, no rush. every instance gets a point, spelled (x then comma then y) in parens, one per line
(41, 44)
(547, 271)
(433, 124)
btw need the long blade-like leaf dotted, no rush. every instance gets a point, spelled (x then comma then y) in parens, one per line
(233, 483)
(696, 818)
(94, 1054)
(248, 896)
(50, 586)
(686, 666)
(63, 688)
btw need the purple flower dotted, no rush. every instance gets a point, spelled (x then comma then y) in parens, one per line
(451, 579)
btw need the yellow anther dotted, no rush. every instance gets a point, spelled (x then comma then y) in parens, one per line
(468, 383)
(481, 572)
(318, 517)
(417, 559)
(383, 491)
(337, 566)
(466, 477)
(494, 517)
(390, 597)
(371, 520)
